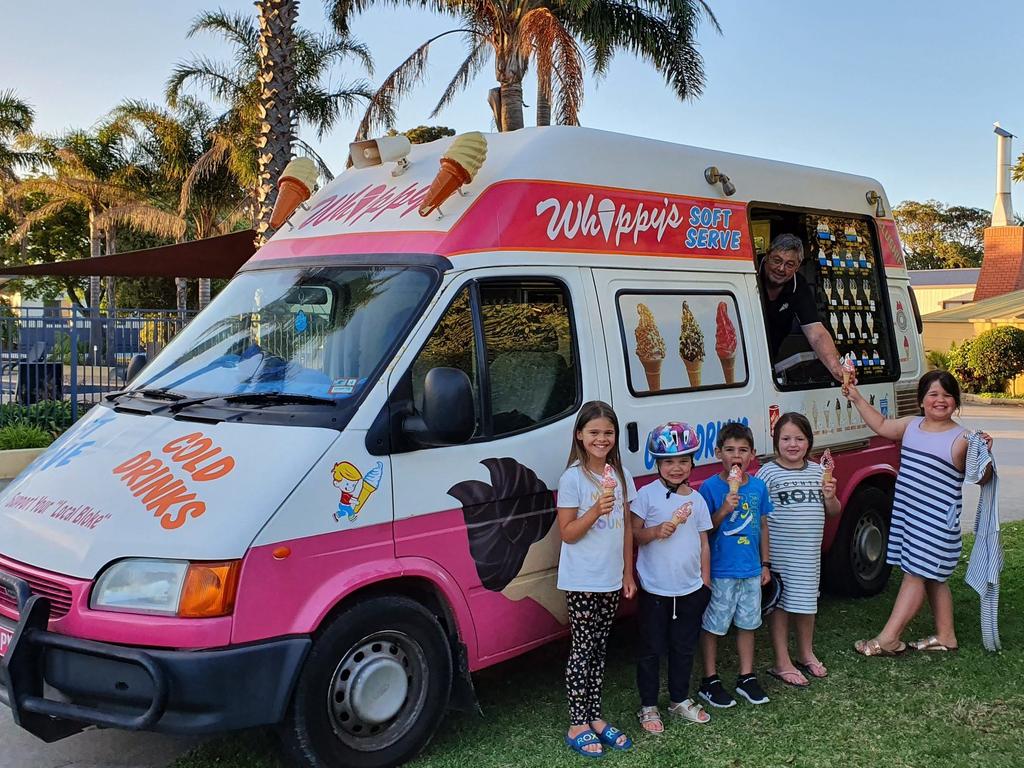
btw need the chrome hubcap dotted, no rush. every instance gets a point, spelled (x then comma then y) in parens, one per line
(378, 690)
(868, 541)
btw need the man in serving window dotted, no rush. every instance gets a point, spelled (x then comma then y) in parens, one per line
(788, 297)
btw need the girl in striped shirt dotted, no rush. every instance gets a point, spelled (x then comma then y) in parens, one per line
(801, 499)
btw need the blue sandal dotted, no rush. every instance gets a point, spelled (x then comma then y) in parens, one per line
(610, 736)
(585, 739)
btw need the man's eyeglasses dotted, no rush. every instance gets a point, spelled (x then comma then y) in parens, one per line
(777, 262)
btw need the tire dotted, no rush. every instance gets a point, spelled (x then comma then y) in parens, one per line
(373, 690)
(855, 563)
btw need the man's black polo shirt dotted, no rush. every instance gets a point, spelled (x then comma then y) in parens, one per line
(795, 300)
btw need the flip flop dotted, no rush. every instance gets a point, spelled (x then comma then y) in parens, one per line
(585, 739)
(794, 683)
(873, 648)
(814, 669)
(933, 645)
(610, 738)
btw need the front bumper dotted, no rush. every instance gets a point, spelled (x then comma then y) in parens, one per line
(114, 686)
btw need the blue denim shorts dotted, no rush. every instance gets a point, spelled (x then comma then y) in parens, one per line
(733, 601)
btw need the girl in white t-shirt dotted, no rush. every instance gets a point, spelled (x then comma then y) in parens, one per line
(670, 524)
(596, 564)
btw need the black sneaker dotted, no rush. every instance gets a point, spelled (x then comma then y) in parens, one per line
(751, 690)
(714, 693)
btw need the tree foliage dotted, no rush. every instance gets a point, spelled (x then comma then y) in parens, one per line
(940, 236)
(423, 134)
(996, 356)
(551, 35)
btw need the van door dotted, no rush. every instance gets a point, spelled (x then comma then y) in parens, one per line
(679, 350)
(484, 510)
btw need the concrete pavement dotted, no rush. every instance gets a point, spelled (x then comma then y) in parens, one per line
(91, 749)
(117, 749)
(1006, 425)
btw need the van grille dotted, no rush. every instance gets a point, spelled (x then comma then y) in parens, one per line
(906, 403)
(58, 595)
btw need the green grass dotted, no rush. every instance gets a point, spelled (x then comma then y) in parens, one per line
(914, 711)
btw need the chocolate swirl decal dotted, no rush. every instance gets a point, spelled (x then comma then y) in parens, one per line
(504, 519)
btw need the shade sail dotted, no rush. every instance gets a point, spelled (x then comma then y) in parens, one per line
(213, 257)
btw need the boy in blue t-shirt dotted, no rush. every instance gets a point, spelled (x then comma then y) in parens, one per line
(739, 564)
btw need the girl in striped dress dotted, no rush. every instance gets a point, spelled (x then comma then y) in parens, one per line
(801, 499)
(924, 535)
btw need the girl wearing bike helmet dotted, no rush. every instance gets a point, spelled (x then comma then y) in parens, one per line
(670, 525)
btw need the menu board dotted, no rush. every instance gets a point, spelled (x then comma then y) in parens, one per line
(849, 293)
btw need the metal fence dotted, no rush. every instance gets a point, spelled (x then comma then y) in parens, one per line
(63, 360)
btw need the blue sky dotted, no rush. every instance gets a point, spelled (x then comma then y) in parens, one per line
(905, 91)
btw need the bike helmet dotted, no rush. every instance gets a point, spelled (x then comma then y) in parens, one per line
(673, 439)
(771, 593)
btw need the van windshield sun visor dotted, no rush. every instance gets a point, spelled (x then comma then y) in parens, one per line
(296, 345)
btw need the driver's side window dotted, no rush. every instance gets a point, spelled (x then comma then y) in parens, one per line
(529, 374)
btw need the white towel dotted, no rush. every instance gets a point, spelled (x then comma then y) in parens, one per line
(986, 560)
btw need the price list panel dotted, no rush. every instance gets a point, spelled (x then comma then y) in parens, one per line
(849, 293)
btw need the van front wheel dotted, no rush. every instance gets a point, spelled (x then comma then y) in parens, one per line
(855, 563)
(374, 688)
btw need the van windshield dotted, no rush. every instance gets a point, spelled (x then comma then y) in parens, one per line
(305, 332)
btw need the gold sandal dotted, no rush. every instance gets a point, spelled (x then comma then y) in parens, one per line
(874, 648)
(932, 644)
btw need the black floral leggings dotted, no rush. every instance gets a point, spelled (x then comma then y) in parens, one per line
(590, 620)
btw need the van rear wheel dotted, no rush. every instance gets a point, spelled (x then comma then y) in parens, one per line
(374, 688)
(855, 563)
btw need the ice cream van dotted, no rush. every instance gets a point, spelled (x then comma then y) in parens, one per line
(330, 499)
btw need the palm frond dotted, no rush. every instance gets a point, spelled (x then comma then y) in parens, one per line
(380, 112)
(554, 49)
(32, 217)
(16, 115)
(464, 75)
(145, 218)
(219, 80)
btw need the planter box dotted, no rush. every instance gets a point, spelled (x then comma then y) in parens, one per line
(13, 462)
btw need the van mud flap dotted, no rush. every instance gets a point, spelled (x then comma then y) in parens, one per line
(52, 720)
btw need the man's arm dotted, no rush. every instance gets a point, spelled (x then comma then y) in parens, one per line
(823, 346)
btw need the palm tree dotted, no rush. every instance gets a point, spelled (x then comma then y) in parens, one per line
(184, 196)
(550, 33)
(90, 170)
(274, 84)
(16, 117)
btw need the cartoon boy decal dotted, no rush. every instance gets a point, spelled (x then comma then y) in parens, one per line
(355, 487)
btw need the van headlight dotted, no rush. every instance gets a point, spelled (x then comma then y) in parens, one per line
(168, 587)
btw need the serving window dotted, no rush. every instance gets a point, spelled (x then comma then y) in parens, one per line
(681, 341)
(843, 268)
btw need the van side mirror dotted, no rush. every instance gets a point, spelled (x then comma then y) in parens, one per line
(138, 362)
(448, 416)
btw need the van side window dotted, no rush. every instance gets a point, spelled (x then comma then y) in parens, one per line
(842, 265)
(531, 357)
(451, 345)
(528, 375)
(677, 341)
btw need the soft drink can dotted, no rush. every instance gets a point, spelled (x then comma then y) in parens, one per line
(773, 416)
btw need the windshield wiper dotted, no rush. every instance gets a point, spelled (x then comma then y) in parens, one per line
(152, 394)
(277, 397)
(269, 398)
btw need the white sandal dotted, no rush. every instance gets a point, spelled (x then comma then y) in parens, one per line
(689, 710)
(649, 716)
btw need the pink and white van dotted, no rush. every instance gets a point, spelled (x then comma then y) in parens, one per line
(330, 499)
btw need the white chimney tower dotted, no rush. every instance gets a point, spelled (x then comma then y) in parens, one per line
(1002, 208)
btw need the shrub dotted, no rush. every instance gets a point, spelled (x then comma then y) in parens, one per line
(23, 436)
(959, 365)
(939, 361)
(53, 416)
(997, 356)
